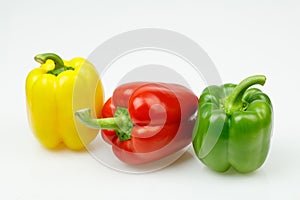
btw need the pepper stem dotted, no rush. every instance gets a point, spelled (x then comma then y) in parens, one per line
(59, 63)
(120, 123)
(234, 101)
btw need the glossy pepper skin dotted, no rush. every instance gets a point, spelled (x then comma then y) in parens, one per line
(233, 127)
(146, 121)
(53, 91)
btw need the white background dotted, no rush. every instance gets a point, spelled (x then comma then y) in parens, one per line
(242, 39)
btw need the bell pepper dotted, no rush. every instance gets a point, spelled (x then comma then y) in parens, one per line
(52, 92)
(146, 121)
(233, 127)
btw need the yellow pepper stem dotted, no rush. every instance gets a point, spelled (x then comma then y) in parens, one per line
(59, 63)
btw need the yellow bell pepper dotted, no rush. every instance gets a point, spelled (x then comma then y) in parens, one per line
(54, 91)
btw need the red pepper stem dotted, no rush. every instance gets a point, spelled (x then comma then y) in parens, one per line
(59, 63)
(234, 101)
(120, 123)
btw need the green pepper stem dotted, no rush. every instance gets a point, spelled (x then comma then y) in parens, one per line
(120, 123)
(42, 58)
(234, 100)
(84, 116)
(59, 63)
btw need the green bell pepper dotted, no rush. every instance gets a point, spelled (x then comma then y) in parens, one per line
(233, 127)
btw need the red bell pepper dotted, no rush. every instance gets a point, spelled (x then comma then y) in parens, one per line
(146, 121)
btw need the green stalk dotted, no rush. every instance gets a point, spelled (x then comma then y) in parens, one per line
(120, 123)
(234, 100)
(59, 63)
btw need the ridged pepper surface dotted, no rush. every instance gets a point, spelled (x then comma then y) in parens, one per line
(234, 126)
(146, 121)
(53, 91)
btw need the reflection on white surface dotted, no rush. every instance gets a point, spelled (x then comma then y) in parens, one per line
(103, 153)
(241, 37)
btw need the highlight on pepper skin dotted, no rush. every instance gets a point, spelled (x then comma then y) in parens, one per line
(51, 92)
(145, 121)
(234, 126)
